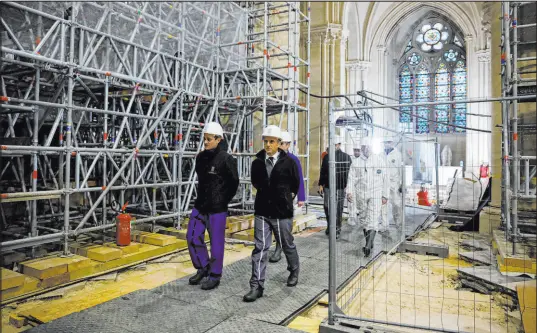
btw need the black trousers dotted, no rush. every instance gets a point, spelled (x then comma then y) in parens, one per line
(340, 197)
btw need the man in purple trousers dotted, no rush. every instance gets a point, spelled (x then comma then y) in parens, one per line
(218, 181)
(301, 196)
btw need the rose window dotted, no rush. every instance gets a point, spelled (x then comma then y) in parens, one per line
(432, 37)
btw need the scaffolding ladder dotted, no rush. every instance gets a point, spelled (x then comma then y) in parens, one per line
(518, 79)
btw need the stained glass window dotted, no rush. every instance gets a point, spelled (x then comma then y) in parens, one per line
(423, 82)
(432, 36)
(414, 59)
(451, 55)
(406, 89)
(458, 90)
(442, 94)
(426, 75)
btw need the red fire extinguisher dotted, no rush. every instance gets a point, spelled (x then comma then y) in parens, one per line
(123, 227)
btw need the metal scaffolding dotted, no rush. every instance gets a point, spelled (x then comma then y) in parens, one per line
(103, 104)
(518, 37)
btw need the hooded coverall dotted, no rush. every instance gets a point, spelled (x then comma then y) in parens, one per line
(356, 204)
(373, 186)
(393, 164)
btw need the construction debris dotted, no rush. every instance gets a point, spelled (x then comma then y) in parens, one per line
(441, 251)
(478, 257)
(488, 280)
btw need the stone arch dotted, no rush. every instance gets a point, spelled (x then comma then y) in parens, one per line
(351, 23)
(467, 19)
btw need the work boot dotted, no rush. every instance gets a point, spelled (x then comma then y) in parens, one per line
(369, 242)
(292, 280)
(254, 294)
(196, 279)
(210, 284)
(277, 255)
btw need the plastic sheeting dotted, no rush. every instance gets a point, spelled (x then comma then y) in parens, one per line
(465, 194)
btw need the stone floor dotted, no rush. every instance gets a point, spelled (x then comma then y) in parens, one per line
(179, 307)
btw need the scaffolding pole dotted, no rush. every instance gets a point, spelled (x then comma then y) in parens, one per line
(109, 102)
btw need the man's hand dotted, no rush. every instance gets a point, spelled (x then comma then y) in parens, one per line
(300, 203)
(321, 191)
(384, 200)
(349, 197)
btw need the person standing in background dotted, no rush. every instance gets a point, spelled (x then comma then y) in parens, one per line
(353, 186)
(374, 187)
(395, 187)
(343, 164)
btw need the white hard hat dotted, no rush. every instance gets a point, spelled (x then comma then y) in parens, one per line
(272, 130)
(366, 141)
(213, 128)
(286, 137)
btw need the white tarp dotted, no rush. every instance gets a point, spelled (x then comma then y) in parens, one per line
(464, 194)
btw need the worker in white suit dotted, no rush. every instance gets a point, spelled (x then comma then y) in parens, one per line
(394, 173)
(374, 195)
(353, 190)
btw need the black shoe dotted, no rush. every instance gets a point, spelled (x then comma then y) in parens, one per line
(367, 251)
(292, 280)
(338, 234)
(210, 284)
(254, 294)
(196, 279)
(276, 256)
(327, 231)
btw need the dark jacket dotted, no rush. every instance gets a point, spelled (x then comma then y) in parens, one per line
(274, 198)
(343, 164)
(218, 179)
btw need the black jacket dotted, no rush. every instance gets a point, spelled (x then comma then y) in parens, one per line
(218, 179)
(343, 164)
(274, 198)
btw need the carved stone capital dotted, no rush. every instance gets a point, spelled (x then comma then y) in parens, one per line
(326, 33)
(483, 56)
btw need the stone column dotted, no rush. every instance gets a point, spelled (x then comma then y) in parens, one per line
(356, 81)
(485, 123)
(326, 62)
(477, 143)
(381, 116)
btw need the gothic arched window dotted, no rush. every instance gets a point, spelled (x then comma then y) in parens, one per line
(433, 68)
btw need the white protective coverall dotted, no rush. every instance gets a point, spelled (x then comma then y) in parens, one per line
(393, 164)
(353, 189)
(446, 156)
(373, 186)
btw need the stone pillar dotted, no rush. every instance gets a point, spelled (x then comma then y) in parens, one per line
(325, 66)
(478, 143)
(356, 81)
(496, 90)
(485, 123)
(381, 116)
